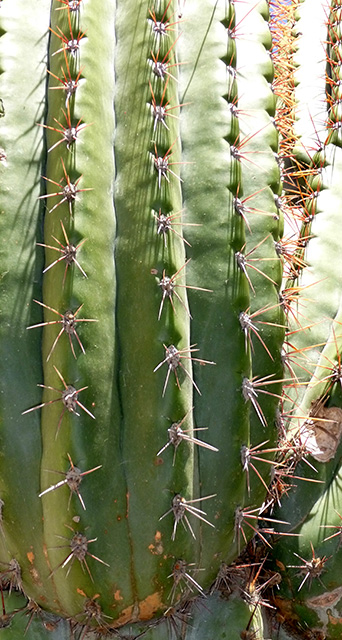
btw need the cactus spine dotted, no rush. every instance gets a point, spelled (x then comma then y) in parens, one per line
(146, 156)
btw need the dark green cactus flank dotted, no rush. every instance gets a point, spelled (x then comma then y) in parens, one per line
(171, 395)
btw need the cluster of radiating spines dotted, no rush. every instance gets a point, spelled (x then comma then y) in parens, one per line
(67, 320)
(334, 74)
(171, 282)
(298, 202)
(303, 182)
(282, 21)
(251, 261)
(303, 176)
(163, 107)
(290, 251)
(182, 509)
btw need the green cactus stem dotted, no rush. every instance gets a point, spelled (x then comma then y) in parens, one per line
(170, 304)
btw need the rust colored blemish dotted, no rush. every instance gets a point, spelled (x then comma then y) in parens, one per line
(50, 626)
(33, 571)
(46, 556)
(332, 619)
(285, 609)
(157, 547)
(127, 504)
(117, 595)
(118, 518)
(321, 432)
(35, 576)
(280, 565)
(144, 610)
(80, 592)
(329, 599)
(125, 617)
(158, 462)
(150, 606)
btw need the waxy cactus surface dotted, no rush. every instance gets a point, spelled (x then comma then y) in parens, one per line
(170, 319)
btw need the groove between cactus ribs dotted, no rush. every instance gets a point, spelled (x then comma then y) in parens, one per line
(187, 221)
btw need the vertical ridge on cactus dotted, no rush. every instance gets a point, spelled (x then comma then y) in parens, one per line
(193, 155)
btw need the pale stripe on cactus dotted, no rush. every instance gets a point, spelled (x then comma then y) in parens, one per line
(171, 240)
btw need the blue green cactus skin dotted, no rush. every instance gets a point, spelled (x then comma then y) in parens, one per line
(212, 168)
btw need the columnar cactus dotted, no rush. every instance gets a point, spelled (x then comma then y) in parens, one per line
(169, 352)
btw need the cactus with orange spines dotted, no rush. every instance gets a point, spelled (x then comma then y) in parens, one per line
(158, 370)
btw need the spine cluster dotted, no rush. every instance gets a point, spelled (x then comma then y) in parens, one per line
(128, 311)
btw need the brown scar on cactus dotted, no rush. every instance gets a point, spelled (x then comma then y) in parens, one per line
(73, 478)
(173, 360)
(68, 396)
(321, 432)
(68, 253)
(180, 507)
(68, 321)
(68, 191)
